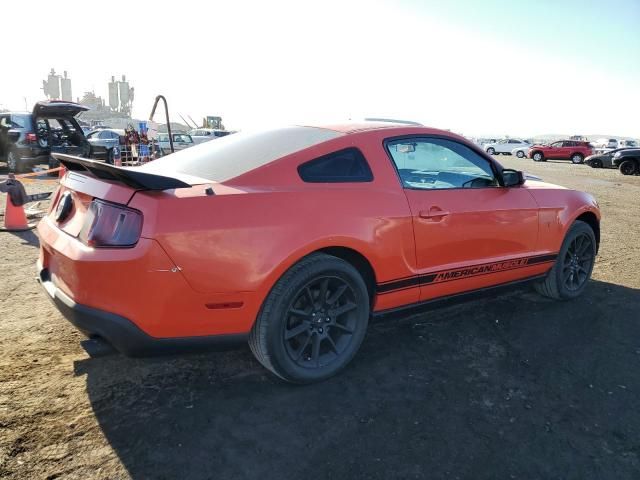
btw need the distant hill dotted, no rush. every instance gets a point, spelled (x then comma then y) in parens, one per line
(591, 137)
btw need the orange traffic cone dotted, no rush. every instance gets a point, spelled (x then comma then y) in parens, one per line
(15, 220)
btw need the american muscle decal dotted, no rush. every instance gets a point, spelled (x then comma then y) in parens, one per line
(464, 272)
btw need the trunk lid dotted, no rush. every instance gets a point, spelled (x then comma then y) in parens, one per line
(57, 108)
(88, 180)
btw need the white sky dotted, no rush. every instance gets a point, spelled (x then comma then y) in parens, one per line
(273, 62)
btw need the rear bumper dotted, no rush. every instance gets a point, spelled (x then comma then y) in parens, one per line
(31, 155)
(121, 332)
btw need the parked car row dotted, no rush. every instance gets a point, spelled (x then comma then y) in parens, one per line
(627, 160)
(577, 149)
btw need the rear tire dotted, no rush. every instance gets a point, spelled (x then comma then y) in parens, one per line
(596, 164)
(313, 321)
(571, 272)
(577, 158)
(491, 151)
(14, 165)
(628, 167)
(520, 154)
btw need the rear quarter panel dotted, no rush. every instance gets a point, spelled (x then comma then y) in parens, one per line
(243, 238)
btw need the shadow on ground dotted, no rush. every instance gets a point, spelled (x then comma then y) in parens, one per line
(28, 237)
(514, 387)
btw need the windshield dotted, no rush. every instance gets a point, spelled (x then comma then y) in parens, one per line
(239, 153)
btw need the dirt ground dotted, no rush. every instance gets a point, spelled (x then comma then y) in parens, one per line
(513, 387)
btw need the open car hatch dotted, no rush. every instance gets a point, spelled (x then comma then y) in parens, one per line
(57, 108)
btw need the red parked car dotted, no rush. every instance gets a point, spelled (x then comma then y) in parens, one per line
(573, 150)
(292, 238)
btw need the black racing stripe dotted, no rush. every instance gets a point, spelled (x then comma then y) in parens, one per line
(542, 259)
(398, 284)
(443, 276)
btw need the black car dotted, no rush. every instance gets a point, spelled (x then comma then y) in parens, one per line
(602, 160)
(627, 160)
(28, 139)
(103, 141)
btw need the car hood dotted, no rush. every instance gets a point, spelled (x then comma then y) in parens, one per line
(535, 183)
(56, 108)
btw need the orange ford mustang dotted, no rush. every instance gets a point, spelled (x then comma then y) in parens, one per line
(293, 237)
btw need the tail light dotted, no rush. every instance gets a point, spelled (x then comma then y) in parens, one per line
(30, 138)
(111, 225)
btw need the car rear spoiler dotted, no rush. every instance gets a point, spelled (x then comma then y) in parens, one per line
(130, 177)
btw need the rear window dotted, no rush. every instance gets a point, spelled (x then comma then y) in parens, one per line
(21, 121)
(233, 155)
(347, 165)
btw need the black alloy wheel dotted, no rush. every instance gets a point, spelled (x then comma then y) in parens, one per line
(313, 321)
(320, 322)
(572, 269)
(578, 262)
(628, 167)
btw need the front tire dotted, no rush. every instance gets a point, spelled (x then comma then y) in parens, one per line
(571, 272)
(313, 321)
(538, 157)
(628, 167)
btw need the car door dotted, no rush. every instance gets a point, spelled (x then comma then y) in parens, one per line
(469, 231)
(502, 146)
(568, 147)
(555, 150)
(110, 139)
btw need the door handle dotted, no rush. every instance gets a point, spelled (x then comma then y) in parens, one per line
(433, 213)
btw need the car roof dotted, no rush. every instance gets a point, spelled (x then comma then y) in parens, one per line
(349, 128)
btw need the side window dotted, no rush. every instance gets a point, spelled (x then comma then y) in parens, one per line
(344, 166)
(437, 163)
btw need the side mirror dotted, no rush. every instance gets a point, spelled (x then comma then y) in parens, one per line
(512, 178)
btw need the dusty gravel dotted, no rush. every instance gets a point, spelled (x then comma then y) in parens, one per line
(516, 386)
